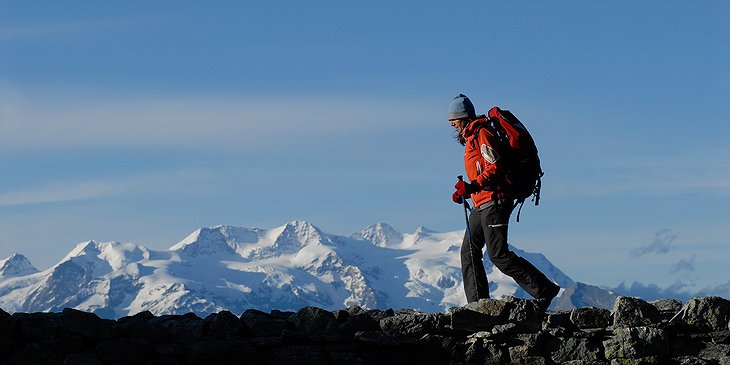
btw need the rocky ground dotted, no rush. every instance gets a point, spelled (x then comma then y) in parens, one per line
(487, 332)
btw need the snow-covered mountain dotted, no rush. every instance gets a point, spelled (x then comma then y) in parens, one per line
(236, 268)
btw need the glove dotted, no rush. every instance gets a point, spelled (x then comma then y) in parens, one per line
(463, 191)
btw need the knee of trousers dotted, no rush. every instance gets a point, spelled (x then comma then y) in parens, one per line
(503, 262)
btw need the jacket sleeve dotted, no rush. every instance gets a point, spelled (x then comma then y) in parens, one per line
(492, 169)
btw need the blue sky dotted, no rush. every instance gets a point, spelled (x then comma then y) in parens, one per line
(143, 121)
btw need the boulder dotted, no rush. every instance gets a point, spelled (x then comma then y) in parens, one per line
(36, 326)
(313, 321)
(707, 313)
(590, 317)
(482, 351)
(414, 325)
(186, 328)
(263, 324)
(351, 322)
(634, 312)
(559, 324)
(124, 350)
(562, 350)
(465, 320)
(667, 307)
(224, 324)
(636, 342)
(85, 324)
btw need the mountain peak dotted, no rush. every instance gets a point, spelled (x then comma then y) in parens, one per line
(380, 234)
(16, 265)
(423, 231)
(205, 242)
(297, 234)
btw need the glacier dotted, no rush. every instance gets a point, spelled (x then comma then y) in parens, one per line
(236, 268)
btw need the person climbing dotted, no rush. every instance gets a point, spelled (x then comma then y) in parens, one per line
(493, 203)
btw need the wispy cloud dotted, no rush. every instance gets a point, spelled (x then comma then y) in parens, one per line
(70, 191)
(229, 122)
(63, 192)
(684, 265)
(661, 244)
(24, 32)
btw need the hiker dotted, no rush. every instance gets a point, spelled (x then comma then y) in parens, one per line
(492, 206)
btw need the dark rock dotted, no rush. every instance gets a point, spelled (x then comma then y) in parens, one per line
(36, 326)
(142, 317)
(636, 342)
(351, 322)
(224, 324)
(481, 351)
(313, 321)
(689, 360)
(34, 353)
(485, 332)
(85, 324)
(574, 349)
(559, 324)
(262, 324)
(134, 326)
(484, 314)
(531, 360)
(303, 355)
(7, 325)
(465, 320)
(414, 325)
(176, 329)
(590, 317)
(124, 350)
(708, 313)
(277, 314)
(714, 351)
(525, 347)
(634, 312)
(377, 314)
(667, 307)
(720, 337)
(494, 308)
(379, 339)
(82, 358)
(221, 351)
(345, 358)
(171, 349)
(526, 313)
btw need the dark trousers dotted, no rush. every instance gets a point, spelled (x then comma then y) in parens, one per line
(488, 227)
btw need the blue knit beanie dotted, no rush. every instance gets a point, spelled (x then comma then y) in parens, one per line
(461, 107)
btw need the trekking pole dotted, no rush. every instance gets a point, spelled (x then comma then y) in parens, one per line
(466, 214)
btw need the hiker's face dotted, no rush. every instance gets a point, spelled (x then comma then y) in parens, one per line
(459, 125)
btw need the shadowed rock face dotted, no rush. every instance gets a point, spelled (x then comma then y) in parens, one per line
(485, 332)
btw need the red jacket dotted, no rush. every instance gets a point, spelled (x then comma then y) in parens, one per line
(482, 162)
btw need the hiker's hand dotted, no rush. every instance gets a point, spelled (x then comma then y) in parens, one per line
(463, 191)
(457, 198)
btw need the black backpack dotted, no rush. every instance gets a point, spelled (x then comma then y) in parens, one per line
(524, 173)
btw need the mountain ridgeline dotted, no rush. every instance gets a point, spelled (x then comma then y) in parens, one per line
(285, 268)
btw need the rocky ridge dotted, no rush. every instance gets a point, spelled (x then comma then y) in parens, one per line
(510, 330)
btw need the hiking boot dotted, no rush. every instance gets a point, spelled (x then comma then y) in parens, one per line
(544, 303)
